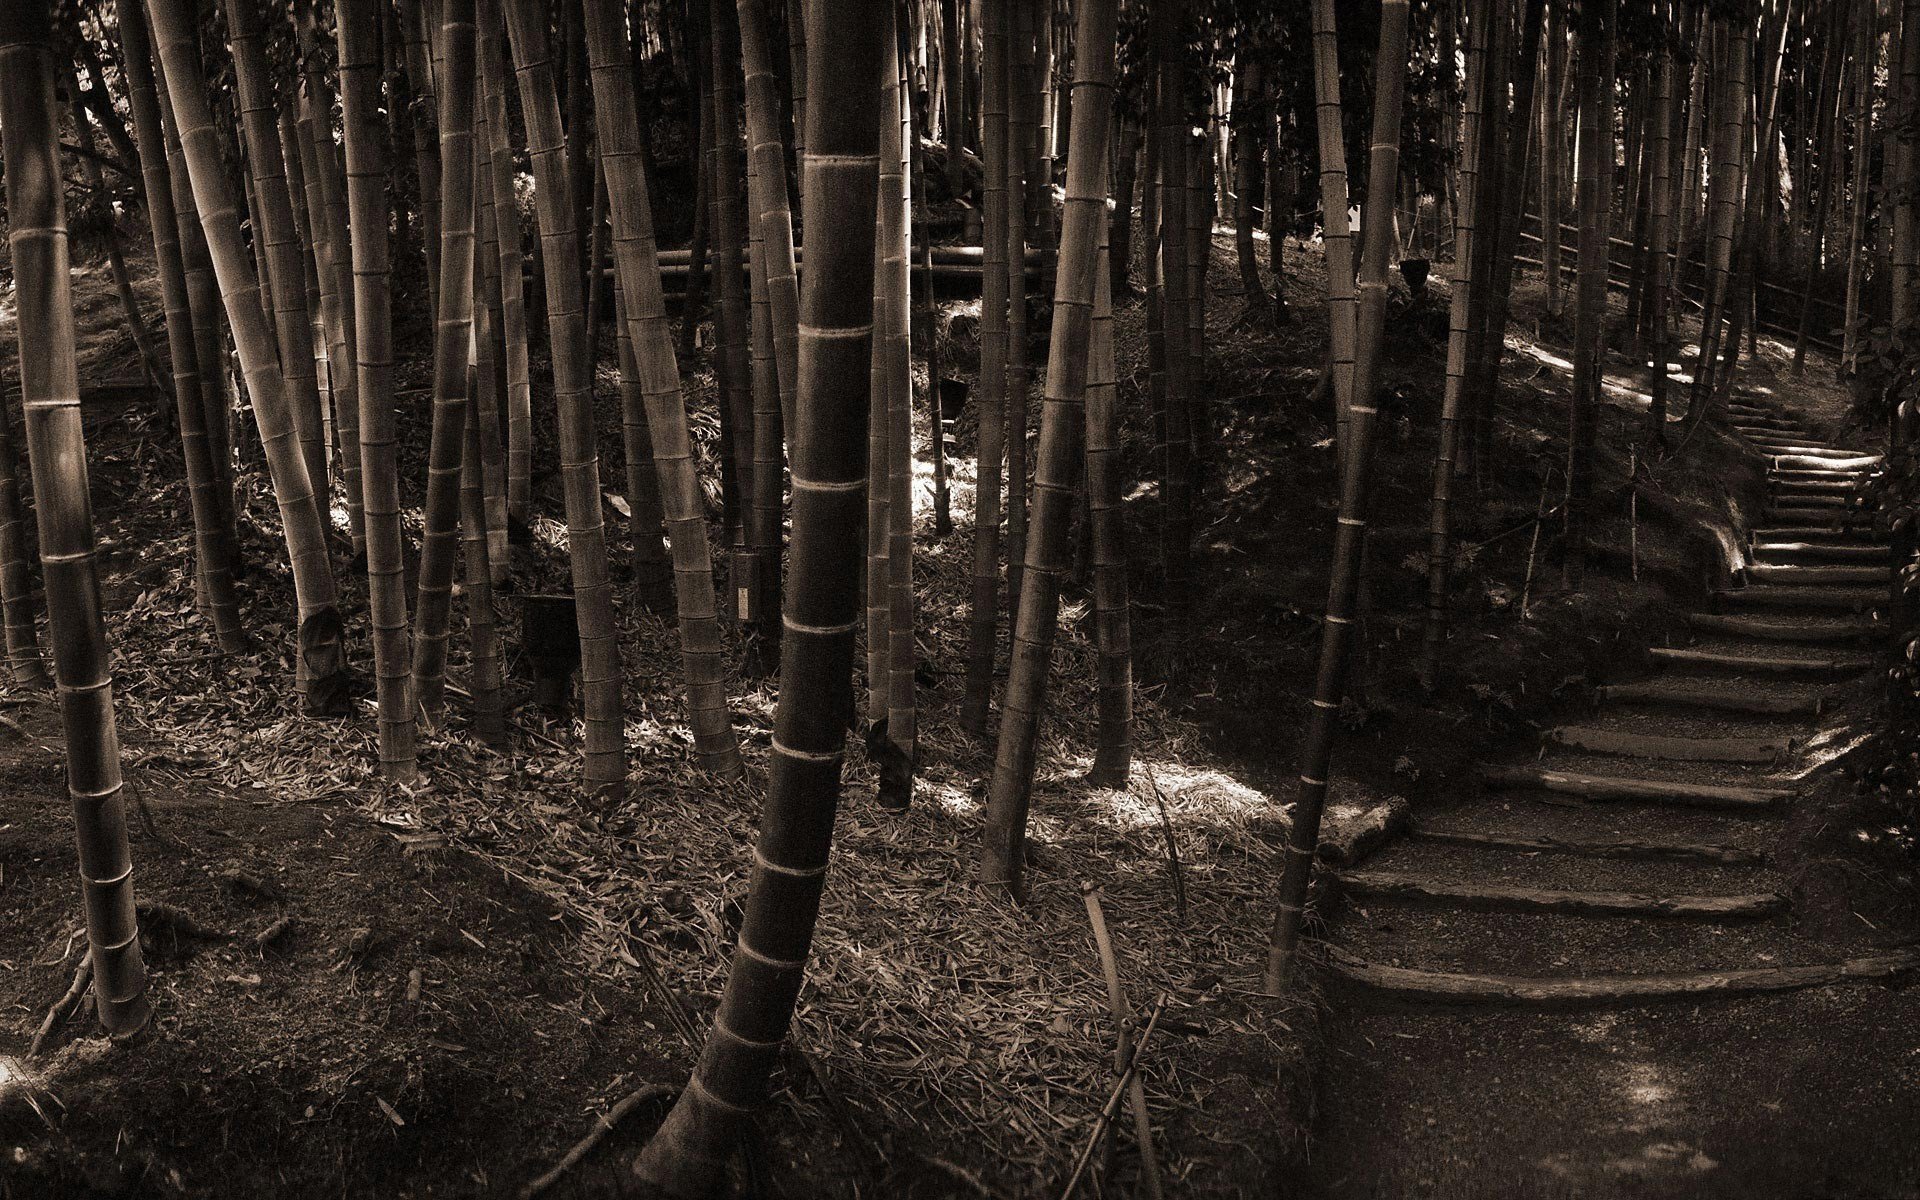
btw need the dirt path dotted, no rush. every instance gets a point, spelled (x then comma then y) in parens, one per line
(1486, 1039)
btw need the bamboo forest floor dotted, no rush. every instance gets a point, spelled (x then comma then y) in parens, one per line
(476, 967)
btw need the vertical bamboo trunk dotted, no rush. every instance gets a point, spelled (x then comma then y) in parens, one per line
(1020, 160)
(17, 609)
(731, 360)
(1828, 158)
(1660, 243)
(953, 77)
(1249, 113)
(322, 654)
(494, 71)
(646, 531)
(366, 194)
(490, 391)
(310, 242)
(688, 1156)
(1303, 836)
(1333, 208)
(1905, 157)
(1106, 531)
(322, 165)
(896, 234)
(213, 557)
(879, 495)
(416, 24)
(983, 619)
(1552, 153)
(1495, 48)
(1596, 42)
(1724, 201)
(683, 505)
(1508, 208)
(293, 326)
(1003, 849)
(453, 336)
(1699, 114)
(1176, 484)
(1120, 241)
(57, 456)
(777, 295)
(489, 715)
(1864, 56)
(579, 461)
(1466, 236)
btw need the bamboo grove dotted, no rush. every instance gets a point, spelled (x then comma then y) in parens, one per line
(1726, 166)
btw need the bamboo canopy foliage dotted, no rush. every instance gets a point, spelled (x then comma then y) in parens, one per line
(688, 1156)
(322, 653)
(57, 456)
(1069, 364)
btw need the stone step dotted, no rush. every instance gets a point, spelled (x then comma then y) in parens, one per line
(1803, 513)
(1780, 629)
(1829, 551)
(1819, 531)
(1587, 990)
(1766, 663)
(1829, 597)
(1393, 886)
(1849, 475)
(1612, 787)
(1596, 740)
(1589, 846)
(1801, 573)
(1810, 487)
(1719, 695)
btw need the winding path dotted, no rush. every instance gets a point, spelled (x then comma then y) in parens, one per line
(1595, 979)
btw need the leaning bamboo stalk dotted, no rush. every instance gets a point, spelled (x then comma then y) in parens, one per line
(652, 564)
(688, 1156)
(1731, 103)
(213, 558)
(310, 241)
(1020, 133)
(756, 587)
(57, 456)
(683, 505)
(453, 334)
(1049, 553)
(771, 211)
(209, 328)
(293, 327)
(322, 655)
(732, 368)
(1336, 634)
(579, 461)
(130, 313)
(489, 716)
(490, 391)
(983, 613)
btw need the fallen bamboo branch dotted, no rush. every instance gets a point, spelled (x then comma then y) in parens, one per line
(1123, 1047)
(1173, 847)
(64, 1006)
(1112, 1105)
(602, 1125)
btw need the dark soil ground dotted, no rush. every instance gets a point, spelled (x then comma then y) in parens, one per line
(466, 981)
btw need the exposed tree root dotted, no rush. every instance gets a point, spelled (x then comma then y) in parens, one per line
(64, 1006)
(602, 1126)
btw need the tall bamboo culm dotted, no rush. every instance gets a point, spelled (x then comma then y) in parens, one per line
(494, 72)
(213, 558)
(57, 456)
(579, 460)
(983, 614)
(453, 335)
(688, 1156)
(895, 225)
(1106, 529)
(1864, 57)
(1595, 40)
(24, 664)
(1055, 494)
(683, 505)
(1466, 235)
(1336, 635)
(321, 650)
